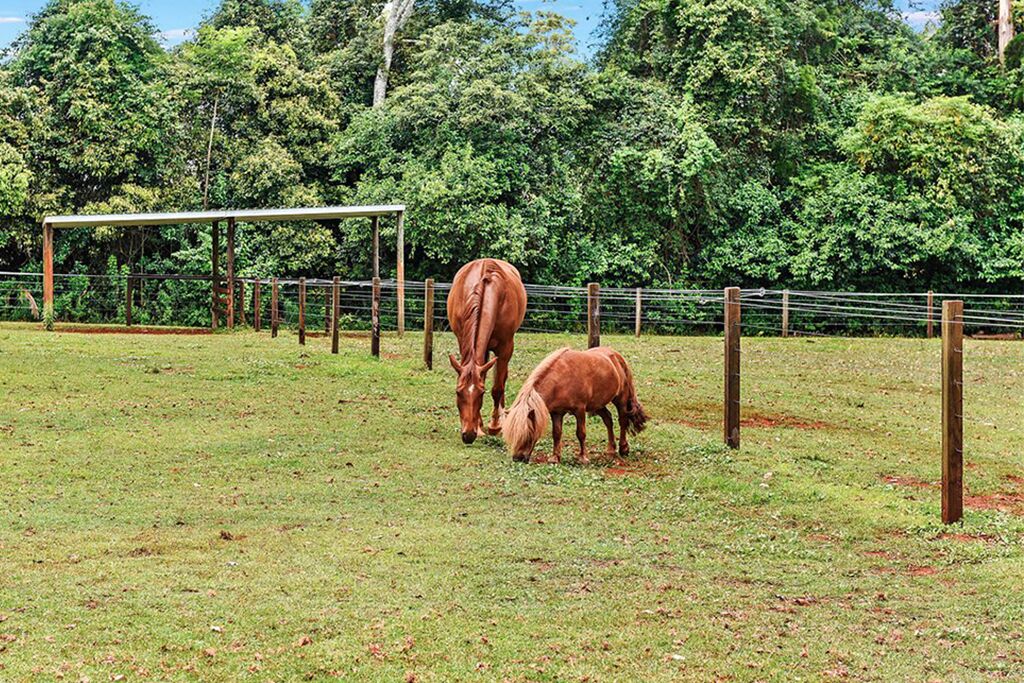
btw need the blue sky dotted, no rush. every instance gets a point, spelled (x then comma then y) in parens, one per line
(173, 18)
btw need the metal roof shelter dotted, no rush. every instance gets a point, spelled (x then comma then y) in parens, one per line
(223, 296)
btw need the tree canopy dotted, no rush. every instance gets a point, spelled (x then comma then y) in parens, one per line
(783, 143)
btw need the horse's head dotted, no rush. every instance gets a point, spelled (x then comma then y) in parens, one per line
(469, 394)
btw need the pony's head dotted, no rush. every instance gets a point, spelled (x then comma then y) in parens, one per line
(524, 424)
(469, 395)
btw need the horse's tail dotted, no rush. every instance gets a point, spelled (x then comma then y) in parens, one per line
(633, 415)
(525, 422)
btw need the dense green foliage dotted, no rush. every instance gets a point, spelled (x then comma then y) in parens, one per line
(765, 142)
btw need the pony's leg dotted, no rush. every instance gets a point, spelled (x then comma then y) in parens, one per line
(498, 390)
(581, 434)
(607, 418)
(556, 436)
(623, 444)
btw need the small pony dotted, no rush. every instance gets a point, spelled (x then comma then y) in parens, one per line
(580, 383)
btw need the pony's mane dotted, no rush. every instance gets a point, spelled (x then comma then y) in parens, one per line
(542, 368)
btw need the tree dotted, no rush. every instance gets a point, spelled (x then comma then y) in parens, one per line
(394, 16)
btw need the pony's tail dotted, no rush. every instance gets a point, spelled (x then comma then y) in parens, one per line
(633, 414)
(525, 422)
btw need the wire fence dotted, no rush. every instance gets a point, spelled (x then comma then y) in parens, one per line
(185, 300)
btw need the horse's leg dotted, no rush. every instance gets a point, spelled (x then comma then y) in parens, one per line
(581, 434)
(623, 444)
(498, 389)
(607, 417)
(556, 436)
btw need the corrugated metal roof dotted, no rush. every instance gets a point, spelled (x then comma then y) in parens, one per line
(240, 215)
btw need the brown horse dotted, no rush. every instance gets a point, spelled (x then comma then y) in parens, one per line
(580, 383)
(486, 306)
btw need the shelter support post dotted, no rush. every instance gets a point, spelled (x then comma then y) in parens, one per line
(48, 276)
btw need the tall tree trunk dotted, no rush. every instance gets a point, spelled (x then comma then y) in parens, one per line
(209, 153)
(1005, 27)
(395, 15)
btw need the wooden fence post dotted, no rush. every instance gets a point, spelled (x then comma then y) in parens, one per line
(428, 323)
(275, 315)
(732, 367)
(241, 303)
(593, 315)
(638, 311)
(375, 319)
(302, 310)
(335, 312)
(256, 305)
(128, 302)
(952, 411)
(931, 314)
(400, 271)
(230, 273)
(785, 313)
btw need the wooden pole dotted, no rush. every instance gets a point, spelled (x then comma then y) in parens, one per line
(785, 313)
(335, 312)
(952, 411)
(375, 224)
(302, 310)
(375, 319)
(593, 315)
(930, 314)
(275, 314)
(48, 276)
(256, 305)
(128, 302)
(400, 267)
(241, 303)
(428, 323)
(639, 297)
(230, 268)
(214, 273)
(732, 367)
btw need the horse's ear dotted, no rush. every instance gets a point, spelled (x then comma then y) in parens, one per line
(488, 365)
(455, 364)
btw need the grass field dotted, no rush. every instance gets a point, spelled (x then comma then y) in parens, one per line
(235, 507)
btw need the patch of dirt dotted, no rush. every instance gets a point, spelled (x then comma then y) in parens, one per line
(913, 482)
(921, 570)
(781, 420)
(966, 538)
(1012, 503)
(103, 329)
(620, 468)
(542, 565)
(1016, 479)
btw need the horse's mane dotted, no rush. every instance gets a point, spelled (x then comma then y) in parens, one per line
(473, 306)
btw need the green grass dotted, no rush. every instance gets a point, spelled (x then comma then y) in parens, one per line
(236, 507)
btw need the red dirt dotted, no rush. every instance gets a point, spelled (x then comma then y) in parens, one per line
(1012, 503)
(705, 416)
(913, 482)
(102, 329)
(790, 421)
(1015, 479)
(967, 538)
(921, 570)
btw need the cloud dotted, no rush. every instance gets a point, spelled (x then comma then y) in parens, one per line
(11, 20)
(174, 35)
(920, 17)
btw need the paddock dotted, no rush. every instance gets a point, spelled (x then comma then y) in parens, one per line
(259, 508)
